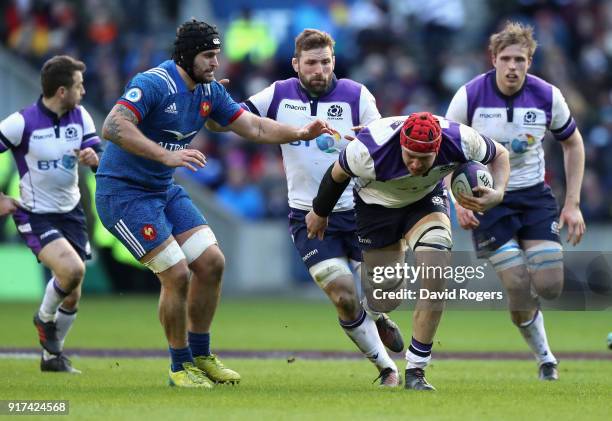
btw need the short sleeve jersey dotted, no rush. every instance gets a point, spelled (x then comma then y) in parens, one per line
(519, 122)
(45, 148)
(345, 105)
(169, 114)
(374, 159)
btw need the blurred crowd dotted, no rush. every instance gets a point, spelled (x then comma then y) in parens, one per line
(412, 55)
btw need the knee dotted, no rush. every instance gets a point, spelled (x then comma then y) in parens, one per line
(176, 280)
(72, 275)
(214, 264)
(550, 289)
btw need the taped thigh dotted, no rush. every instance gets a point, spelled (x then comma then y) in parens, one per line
(546, 255)
(509, 255)
(431, 235)
(165, 259)
(198, 243)
(328, 270)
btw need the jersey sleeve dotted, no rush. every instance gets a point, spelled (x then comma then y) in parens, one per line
(224, 109)
(562, 124)
(356, 161)
(90, 137)
(475, 146)
(11, 131)
(367, 106)
(457, 109)
(259, 103)
(142, 95)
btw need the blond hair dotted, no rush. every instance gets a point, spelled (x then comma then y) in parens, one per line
(513, 33)
(310, 39)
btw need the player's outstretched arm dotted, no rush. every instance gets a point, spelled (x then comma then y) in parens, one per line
(332, 186)
(265, 130)
(120, 128)
(573, 160)
(500, 170)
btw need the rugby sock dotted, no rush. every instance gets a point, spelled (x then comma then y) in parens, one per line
(535, 335)
(63, 321)
(418, 354)
(199, 344)
(364, 334)
(180, 356)
(54, 295)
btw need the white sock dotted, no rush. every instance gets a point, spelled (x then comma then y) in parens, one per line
(535, 335)
(64, 321)
(364, 334)
(54, 296)
(418, 354)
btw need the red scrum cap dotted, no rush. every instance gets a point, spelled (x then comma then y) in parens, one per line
(421, 132)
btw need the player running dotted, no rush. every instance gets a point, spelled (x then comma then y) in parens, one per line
(48, 139)
(399, 164)
(150, 128)
(520, 237)
(316, 93)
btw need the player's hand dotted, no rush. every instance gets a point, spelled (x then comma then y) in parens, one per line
(466, 217)
(487, 198)
(315, 129)
(87, 157)
(572, 216)
(356, 129)
(188, 158)
(224, 82)
(315, 225)
(7, 204)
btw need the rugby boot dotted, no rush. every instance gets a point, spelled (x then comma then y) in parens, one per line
(415, 380)
(58, 363)
(190, 376)
(389, 333)
(548, 371)
(389, 378)
(214, 369)
(47, 335)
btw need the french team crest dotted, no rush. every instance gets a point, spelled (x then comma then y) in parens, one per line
(205, 108)
(148, 232)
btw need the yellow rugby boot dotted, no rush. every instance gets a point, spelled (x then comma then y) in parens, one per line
(189, 376)
(215, 370)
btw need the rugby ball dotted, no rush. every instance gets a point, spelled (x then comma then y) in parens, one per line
(469, 175)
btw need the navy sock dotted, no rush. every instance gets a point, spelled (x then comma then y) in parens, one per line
(199, 344)
(180, 356)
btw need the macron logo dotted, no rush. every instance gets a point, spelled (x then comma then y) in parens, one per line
(171, 109)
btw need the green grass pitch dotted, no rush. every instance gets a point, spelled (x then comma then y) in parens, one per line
(118, 388)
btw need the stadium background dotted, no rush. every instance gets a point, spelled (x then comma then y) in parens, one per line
(411, 58)
(412, 55)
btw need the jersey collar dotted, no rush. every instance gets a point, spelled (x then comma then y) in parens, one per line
(46, 111)
(500, 93)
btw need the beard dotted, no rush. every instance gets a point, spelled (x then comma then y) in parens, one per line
(200, 76)
(317, 86)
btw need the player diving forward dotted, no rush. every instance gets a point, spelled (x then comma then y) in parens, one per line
(316, 93)
(150, 128)
(520, 237)
(48, 139)
(398, 164)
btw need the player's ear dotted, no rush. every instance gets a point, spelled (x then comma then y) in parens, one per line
(294, 63)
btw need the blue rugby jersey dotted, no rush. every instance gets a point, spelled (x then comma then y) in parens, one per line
(169, 114)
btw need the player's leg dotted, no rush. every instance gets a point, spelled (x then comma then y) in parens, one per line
(139, 222)
(328, 266)
(206, 262)
(545, 263)
(430, 239)
(334, 277)
(52, 320)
